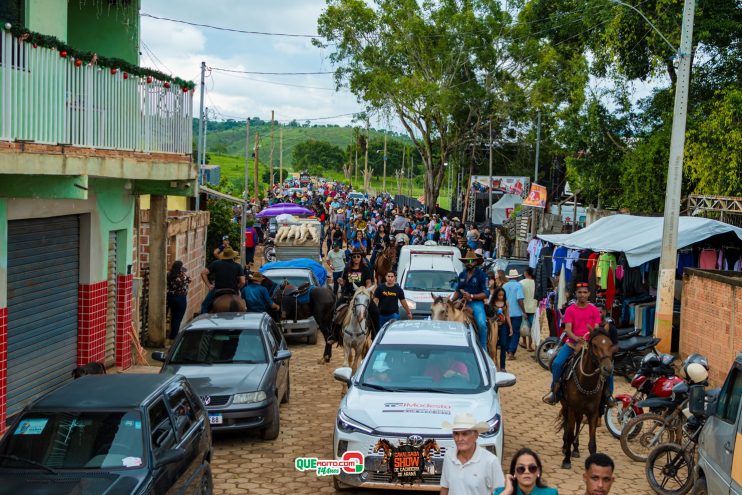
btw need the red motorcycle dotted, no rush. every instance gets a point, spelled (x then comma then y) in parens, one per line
(655, 378)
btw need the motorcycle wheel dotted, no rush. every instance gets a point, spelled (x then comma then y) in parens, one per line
(669, 470)
(269, 253)
(615, 418)
(642, 434)
(546, 352)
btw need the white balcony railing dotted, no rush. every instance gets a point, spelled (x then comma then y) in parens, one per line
(48, 99)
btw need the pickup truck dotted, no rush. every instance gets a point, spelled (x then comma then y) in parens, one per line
(719, 467)
(426, 270)
(291, 249)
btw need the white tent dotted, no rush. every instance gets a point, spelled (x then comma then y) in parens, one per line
(640, 238)
(503, 207)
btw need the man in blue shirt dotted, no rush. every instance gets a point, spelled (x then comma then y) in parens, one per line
(257, 297)
(472, 288)
(515, 297)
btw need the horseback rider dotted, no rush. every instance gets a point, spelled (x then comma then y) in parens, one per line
(228, 274)
(579, 318)
(256, 296)
(472, 287)
(357, 273)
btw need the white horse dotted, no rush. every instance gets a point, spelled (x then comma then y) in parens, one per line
(356, 335)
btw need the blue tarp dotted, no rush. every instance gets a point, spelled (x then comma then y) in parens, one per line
(319, 271)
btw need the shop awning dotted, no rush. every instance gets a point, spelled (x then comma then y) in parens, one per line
(640, 238)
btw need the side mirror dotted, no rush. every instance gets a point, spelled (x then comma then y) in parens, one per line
(343, 375)
(504, 380)
(697, 400)
(158, 356)
(282, 355)
(169, 457)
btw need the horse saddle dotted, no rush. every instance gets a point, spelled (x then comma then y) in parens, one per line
(297, 295)
(225, 292)
(570, 365)
(340, 313)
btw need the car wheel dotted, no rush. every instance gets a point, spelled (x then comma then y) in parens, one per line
(312, 339)
(274, 428)
(340, 486)
(287, 395)
(206, 486)
(699, 487)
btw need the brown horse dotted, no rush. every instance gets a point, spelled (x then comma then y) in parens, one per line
(582, 391)
(384, 263)
(228, 301)
(446, 310)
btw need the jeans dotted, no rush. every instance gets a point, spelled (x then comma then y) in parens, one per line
(609, 383)
(335, 285)
(207, 301)
(516, 321)
(477, 307)
(177, 305)
(383, 319)
(504, 338)
(249, 254)
(557, 365)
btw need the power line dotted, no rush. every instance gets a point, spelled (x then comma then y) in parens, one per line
(285, 84)
(236, 71)
(231, 30)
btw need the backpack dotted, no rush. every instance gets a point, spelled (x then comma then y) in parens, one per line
(250, 237)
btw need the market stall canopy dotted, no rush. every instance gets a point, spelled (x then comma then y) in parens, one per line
(640, 238)
(504, 207)
(289, 209)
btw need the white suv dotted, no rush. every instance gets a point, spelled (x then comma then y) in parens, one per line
(417, 374)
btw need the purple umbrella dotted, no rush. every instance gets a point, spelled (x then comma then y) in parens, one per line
(291, 209)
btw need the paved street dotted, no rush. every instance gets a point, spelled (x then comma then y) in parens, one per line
(245, 464)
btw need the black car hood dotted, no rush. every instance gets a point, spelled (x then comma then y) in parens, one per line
(66, 483)
(221, 379)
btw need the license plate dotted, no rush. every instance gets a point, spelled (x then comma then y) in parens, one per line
(216, 419)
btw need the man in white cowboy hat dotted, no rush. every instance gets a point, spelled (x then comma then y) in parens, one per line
(472, 288)
(516, 308)
(469, 469)
(227, 274)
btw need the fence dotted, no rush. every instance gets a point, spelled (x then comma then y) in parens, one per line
(51, 99)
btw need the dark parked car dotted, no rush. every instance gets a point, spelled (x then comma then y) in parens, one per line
(112, 434)
(239, 365)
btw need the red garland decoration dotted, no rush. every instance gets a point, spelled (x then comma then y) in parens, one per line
(126, 75)
(149, 79)
(78, 62)
(185, 90)
(167, 85)
(114, 71)
(63, 54)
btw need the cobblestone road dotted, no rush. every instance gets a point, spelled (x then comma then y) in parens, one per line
(245, 464)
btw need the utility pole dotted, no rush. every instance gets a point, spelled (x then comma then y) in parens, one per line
(409, 177)
(534, 212)
(256, 166)
(270, 168)
(666, 283)
(489, 184)
(365, 166)
(246, 198)
(355, 175)
(401, 177)
(383, 187)
(280, 155)
(200, 135)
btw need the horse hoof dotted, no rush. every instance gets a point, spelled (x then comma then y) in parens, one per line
(566, 465)
(326, 359)
(575, 454)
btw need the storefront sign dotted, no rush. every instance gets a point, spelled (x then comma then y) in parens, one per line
(536, 197)
(506, 184)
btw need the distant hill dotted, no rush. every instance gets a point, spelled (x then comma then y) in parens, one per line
(228, 137)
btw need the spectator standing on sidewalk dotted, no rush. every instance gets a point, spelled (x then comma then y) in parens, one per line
(516, 307)
(529, 305)
(251, 240)
(177, 296)
(599, 474)
(469, 469)
(525, 477)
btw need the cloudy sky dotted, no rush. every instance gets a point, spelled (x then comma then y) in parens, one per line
(179, 49)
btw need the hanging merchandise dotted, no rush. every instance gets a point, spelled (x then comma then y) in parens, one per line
(534, 249)
(562, 289)
(707, 259)
(536, 328)
(606, 261)
(610, 292)
(686, 259)
(559, 258)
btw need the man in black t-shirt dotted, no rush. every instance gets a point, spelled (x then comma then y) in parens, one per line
(386, 297)
(227, 274)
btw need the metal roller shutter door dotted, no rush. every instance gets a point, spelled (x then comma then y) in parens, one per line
(110, 358)
(43, 275)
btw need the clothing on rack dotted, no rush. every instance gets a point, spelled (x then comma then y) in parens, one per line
(572, 256)
(562, 288)
(559, 258)
(610, 292)
(534, 249)
(686, 259)
(606, 264)
(730, 259)
(707, 260)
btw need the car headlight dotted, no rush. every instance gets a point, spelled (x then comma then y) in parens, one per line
(249, 397)
(411, 304)
(494, 425)
(349, 425)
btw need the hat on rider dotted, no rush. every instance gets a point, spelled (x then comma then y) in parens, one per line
(513, 273)
(256, 277)
(229, 254)
(471, 255)
(358, 251)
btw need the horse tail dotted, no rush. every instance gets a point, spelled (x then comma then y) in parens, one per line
(561, 421)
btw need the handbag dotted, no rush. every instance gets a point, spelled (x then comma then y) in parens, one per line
(525, 328)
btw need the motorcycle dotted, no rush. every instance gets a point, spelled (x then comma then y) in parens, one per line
(655, 378)
(269, 250)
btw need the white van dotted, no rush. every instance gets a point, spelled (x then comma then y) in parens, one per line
(422, 270)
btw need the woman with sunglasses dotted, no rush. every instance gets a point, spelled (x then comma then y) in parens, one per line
(524, 477)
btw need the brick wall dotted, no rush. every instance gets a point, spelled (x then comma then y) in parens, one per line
(711, 318)
(186, 237)
(91, 322)
(3, 365)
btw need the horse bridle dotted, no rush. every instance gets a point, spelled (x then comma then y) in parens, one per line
(594, 359)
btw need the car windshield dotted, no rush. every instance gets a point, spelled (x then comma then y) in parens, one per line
(430, 280)
(423, 368)
(222, 346)
(75, 440)
(295, 280)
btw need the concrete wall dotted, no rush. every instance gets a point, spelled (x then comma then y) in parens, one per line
(711, 318)
(47, 17)
(105, 28)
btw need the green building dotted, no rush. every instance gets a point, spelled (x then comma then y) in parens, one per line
(83, 131)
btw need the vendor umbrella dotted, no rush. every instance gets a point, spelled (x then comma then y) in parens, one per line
(275, 210)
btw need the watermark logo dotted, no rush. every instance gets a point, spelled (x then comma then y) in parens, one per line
(350, 463)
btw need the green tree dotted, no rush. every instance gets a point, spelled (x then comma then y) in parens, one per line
(220, 224)
(317, 153)
(644, 173)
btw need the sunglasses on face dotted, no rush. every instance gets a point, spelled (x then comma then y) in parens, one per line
(355, 256)
(531, 468)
